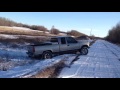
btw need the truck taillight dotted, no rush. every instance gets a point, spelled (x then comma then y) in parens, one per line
(33, 49)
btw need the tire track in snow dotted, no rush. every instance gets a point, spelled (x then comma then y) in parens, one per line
(76, 71)
(112, 51)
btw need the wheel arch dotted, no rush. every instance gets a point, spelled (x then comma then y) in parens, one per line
(84, 46)
(48, 51)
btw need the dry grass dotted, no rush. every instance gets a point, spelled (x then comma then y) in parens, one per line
(11, 31)
(50, 72)
(1, 60)
(22, 40)
(7, 30)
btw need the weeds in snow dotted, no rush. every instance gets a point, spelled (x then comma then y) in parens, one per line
(5, 65)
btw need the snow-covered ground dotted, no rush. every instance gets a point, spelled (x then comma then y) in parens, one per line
(12, 54)
(102, 61)
(34, 67)
(20, 28)
(8, 36)
(14, 62)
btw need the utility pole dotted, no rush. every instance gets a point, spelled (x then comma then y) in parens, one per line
(52, 28)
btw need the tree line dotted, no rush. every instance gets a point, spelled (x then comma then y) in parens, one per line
(8, 22)
(75, 33)
(114, 34)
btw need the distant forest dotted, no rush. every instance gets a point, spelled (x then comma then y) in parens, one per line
(114, 34)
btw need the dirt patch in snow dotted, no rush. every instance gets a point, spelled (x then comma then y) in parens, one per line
(50, 72)
(54, 71)
(1, 60)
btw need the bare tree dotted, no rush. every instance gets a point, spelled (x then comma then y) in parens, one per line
(114, 34)
(54, 31)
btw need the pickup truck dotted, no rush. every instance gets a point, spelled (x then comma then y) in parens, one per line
(58, 45)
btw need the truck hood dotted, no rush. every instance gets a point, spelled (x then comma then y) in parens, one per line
(87, 42)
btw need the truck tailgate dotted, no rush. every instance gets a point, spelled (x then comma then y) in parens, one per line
(31, 49)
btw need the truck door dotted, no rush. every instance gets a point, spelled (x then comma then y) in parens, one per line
(63, 45)
(72, 44)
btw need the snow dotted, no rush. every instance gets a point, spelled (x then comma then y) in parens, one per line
(20, 28)
(5, 65)
(8, 36)
(17, 64)
(10, 53)
(32, 69)
(102, 61)
(14, 27)
(25, 29)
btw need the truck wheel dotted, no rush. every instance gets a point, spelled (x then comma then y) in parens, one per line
(47, 55)
(84, 50)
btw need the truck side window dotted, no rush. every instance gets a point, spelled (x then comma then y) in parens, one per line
(71, 40)
(54, 40)
(63, 40)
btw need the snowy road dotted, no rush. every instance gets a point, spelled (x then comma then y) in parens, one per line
(102, 61)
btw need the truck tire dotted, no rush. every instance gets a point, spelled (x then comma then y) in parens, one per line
(84, 50)
(47, 55)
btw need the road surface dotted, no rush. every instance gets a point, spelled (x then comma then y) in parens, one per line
(102, 61)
